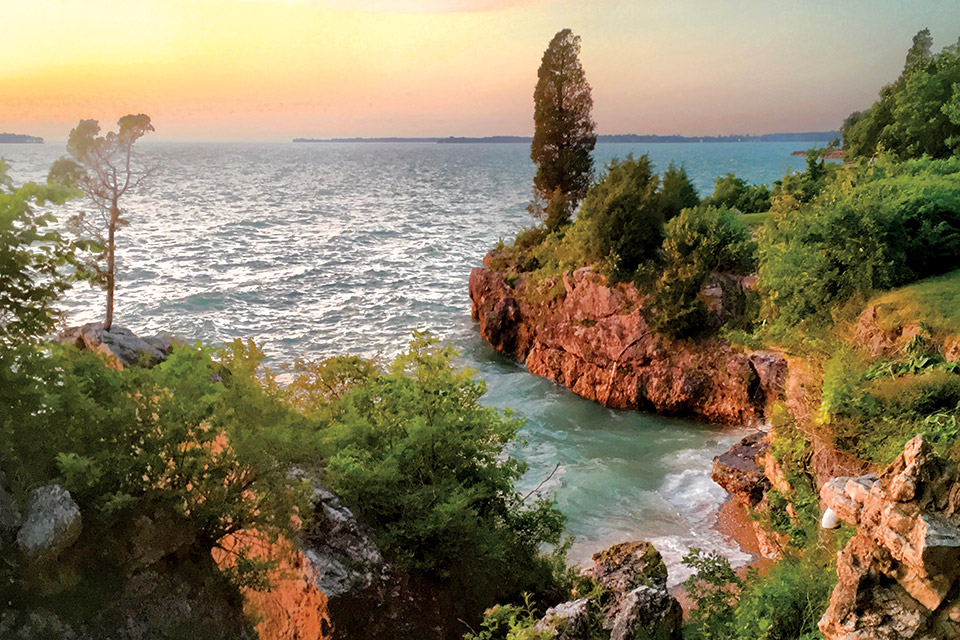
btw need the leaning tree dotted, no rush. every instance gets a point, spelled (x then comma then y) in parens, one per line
(564, 137)
(105, 169)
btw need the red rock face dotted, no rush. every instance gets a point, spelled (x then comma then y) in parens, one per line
(594, 340)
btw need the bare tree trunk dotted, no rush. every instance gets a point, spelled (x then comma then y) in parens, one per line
(111, 272)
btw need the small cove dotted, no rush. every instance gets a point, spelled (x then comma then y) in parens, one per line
(320, 250)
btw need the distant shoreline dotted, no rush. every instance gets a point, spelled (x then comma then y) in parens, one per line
(19, 138)
(807, 136)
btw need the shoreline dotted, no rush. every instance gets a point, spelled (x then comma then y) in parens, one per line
(735, 524)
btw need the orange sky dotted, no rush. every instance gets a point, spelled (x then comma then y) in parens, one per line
(275, 69)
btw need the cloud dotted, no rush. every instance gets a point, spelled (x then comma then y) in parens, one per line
(418, 6)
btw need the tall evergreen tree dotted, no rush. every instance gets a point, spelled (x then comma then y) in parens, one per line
(564, 136)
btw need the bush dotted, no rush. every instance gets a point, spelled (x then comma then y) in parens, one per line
(414, 453)
(873, 227)
(734, 193)
(676, 192)
(623, 216)
(31, 254)
(783, 605)
(699, 241)
(198, 446)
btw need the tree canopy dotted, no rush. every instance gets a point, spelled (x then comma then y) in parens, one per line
(564, 136)
(919, 114)
(105, 169)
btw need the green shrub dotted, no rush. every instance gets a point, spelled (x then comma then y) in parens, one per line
(676, 192)
(623, 216)
(417, 456)
(732, 192)
(873, 227)
(201, 446)
(783, 605)
(699, 241)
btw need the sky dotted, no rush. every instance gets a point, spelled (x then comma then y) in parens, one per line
(277, 69)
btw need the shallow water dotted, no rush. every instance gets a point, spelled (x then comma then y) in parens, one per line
(322, 249)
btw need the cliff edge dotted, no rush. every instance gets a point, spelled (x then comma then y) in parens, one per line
(592, 338)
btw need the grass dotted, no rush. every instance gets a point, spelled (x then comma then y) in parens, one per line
(754, 219)
(933, 303)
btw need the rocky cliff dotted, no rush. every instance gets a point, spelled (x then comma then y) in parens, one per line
(899, 577)
(592, 338)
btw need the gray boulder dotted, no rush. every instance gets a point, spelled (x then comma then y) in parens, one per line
(653, 612)
(119, 344)
(566, 621)
(341, 550)
(52, 523)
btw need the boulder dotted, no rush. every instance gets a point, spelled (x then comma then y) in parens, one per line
(654, 610)
(741, 470)
(52, 523)
(119, 345)
(342, 553)
(566, 621)
(635, 578)
(899, 577)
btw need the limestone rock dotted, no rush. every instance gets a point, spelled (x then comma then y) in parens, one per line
(741, 469)
(52, 523)
(879, 341)
(747, 472)
(120, 345)
(566, 621)
(635, 577)
(341, 550)
(654, 610)
(628, 565)
(899, 577)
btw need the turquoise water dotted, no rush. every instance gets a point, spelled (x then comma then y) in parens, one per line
(322, 249)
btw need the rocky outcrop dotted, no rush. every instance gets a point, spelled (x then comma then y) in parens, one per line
(52, 523)
(899, 577)
(635, 604)
(367, 597)
(119, 345)
(593, 339)
(566, 621)
(748, 472)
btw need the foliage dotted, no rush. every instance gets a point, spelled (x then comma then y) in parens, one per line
(805, 186)
(698, 242)
(105, 169)
(558, 212)
(199, 445)
(919, 114)
(676, 192)
(32, 255)
(564, 137)
(715, 590)
(621, 215)
(510, 622)
(734, 193)
(873, 227)
(787, 603)
(783, 605)
(417, 456)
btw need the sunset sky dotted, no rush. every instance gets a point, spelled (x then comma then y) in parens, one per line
(275, 69)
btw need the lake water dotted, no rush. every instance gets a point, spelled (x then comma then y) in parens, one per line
(316, 250)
